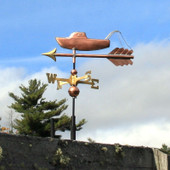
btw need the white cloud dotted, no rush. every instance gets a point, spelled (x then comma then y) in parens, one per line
(12, 78)
(151, 135)
(130, 97)
(131, 106)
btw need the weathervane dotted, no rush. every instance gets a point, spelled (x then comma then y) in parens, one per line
(79, 41)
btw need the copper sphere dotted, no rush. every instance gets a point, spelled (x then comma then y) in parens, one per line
(73, 72)
(73, 91)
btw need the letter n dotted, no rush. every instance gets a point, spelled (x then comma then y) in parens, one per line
(51, 77)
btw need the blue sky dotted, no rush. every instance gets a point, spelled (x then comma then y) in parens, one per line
(28, 28)
(132, 101)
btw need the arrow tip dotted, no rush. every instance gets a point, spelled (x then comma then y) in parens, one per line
(51, 54)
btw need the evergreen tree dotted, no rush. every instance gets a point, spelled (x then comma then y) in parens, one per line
(165, 149)
(36, 112)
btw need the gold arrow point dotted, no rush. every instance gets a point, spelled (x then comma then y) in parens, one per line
(51, 54)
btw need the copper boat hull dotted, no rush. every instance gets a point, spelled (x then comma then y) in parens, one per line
(79, 41)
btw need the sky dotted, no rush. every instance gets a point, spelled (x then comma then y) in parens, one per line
(132, 103)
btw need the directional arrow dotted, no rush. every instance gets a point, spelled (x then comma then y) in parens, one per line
(118, 56)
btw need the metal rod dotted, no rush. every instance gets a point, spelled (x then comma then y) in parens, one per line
(74, 58)
(52, 127)
(73, 120)
(114, 56)
(111, 33)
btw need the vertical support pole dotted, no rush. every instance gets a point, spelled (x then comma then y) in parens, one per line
(52, 127)
(73, 118)
(0, 125)
(74, 58)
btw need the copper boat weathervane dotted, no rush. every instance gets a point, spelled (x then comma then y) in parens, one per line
(79, 41)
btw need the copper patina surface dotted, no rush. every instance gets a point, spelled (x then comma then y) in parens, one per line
(79, 41)
(73, 91)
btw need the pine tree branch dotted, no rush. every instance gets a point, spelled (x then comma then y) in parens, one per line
(36, 112)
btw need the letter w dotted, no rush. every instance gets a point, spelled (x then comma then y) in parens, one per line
(51, 77)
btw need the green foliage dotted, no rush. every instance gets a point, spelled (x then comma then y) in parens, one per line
(60, 159)
(165, 149)
(118, 148)
(36, 111)
(1, 151)
(91, 140)
(119, 151)
(104, 149)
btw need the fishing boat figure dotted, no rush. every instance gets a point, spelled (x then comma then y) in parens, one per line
(79, 41)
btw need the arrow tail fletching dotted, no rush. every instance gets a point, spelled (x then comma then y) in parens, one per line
(129, 52)
(121, 62)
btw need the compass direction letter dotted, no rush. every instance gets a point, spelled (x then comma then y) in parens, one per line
(93, 84)
(51, 77)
